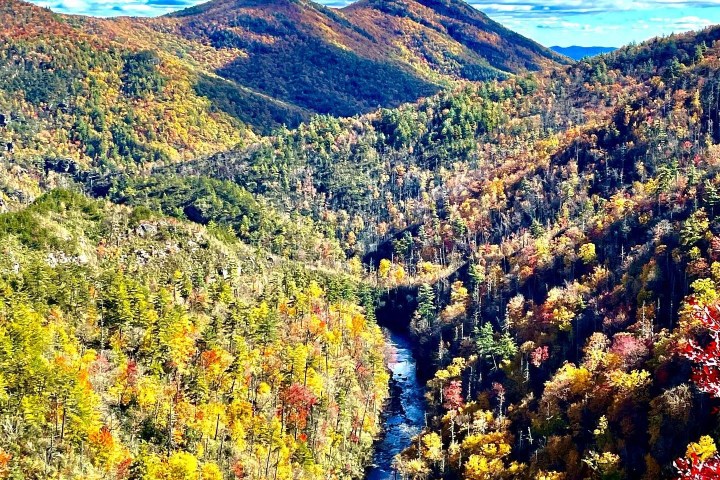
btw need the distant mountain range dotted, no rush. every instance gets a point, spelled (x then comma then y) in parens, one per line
(578, 53)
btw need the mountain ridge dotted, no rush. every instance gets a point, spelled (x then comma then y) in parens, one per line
(413, 41)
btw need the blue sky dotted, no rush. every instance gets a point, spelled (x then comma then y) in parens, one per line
(550, 22)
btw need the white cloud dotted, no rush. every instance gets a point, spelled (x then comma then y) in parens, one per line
(106, 8)
(689, 22)
(74, 5)
(585, 7)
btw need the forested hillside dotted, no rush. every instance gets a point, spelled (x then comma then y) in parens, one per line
(75, 95)
(181, 298)
(558, 234)
(129, 93)
(136, 346)
(355, 59)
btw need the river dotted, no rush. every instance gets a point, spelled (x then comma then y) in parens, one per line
(405, 412)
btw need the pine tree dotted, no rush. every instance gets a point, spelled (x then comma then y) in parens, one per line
(426, 310)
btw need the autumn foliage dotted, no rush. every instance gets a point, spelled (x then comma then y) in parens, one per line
(706, 358)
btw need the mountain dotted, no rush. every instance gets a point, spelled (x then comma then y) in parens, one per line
(110, 93)
(449, 36)
(136, 92)
(352, 60)
(578, 53)
(300, 53)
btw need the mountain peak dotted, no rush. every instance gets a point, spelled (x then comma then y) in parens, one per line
(21, 18)
(397, 6)
(482, 41)
(225, 6)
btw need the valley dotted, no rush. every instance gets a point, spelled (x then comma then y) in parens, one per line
(275, 240)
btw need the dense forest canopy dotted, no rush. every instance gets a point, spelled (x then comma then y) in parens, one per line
(183, 298)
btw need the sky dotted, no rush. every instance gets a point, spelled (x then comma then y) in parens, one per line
(608, 23)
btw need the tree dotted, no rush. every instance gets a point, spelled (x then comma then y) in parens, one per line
(458, 301)
(695, 228)
(384, 268)
(182, 466)
(503, 348)
(539, 355)
(674, 70)
(587, 253)
(701, 462)
(433, 447)
(706, 372)
(712, 197)
(487, 451)
(480, 468)
(452, 394)
(426, 310)
(297, 402)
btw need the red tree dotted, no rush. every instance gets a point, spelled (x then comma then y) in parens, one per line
(706, 372)
(452, 393)
(706, 375)
(539, 355)
(695, 469)
(297, 402)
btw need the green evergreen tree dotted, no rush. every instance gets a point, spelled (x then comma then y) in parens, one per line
(426, 309)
